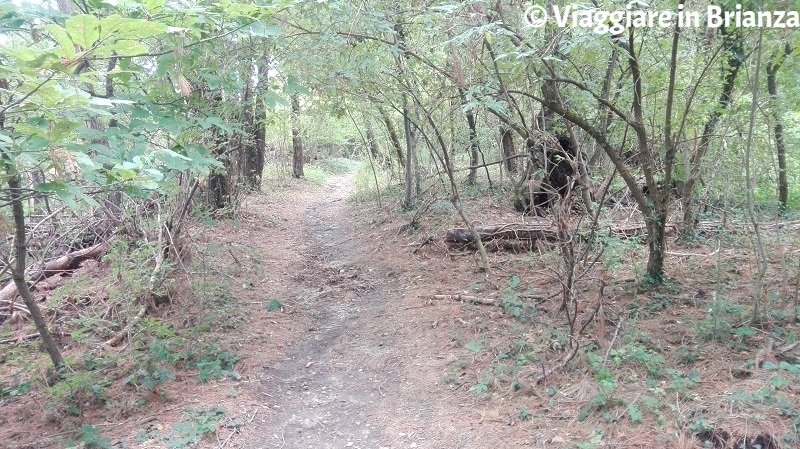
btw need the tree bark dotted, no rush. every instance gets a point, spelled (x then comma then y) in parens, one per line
(408, 199)
(253, 159)
(18, 273)
(372, 142)
(393, 138)
(297, 139)
(733, 41)
(218, 194)
(509, 152)
(780, 145)
(473, 148)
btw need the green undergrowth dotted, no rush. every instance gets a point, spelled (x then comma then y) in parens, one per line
(178, 337)
(648, 371)
(321, 170)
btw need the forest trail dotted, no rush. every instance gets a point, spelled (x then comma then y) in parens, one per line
(366, 371)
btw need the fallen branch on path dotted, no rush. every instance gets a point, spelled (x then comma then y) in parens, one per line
(466, 298)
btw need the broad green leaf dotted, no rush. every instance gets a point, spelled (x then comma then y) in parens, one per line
(272, 99)
(293, 87)
(65, 48)
(84, 30)
(67, 193)
(123, 28)
(790, 367)
(261, 30)
(63, 128)
(769, 366)
(122, 48)
(477, 345)
(153, 5)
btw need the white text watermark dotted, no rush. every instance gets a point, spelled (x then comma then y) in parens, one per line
(614, 22)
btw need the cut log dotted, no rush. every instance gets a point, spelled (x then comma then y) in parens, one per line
(466, 298)
(63, 264)
(529, 232)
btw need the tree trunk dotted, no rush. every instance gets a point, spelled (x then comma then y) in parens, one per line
(473, 137)
(473, 149)
(733, 62)
(219, 192)
(297, 140)
(253, 157)
(780, 145)
(597, 154)
(656, 244)
(393, 138)
(253, 166)
(507, 142)
(408, 199)
(372, 142)
(18, 273)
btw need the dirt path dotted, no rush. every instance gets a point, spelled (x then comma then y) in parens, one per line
(367, 371)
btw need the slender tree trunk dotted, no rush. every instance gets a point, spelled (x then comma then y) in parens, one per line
(507, 142)
(597, 154)
(255, 151)
(297, 140)
(254, 166)
(218, 189)
(219, 182)
(761, 262)
(372, 142)
(473, 149)
(18, 272)
(733, 41)
(408, 199)
(780, 146)
(393, 138)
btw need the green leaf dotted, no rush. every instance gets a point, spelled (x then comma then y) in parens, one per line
(65, 47)
(123, 28)
(272, 99)
(792, 368)
(477, 345)
(480, 388)
(779, 382)
(635, 414)
(261, 30)
(293, 87)
(84, 30)
(67, 193)
(769, 366)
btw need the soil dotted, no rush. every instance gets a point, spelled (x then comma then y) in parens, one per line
(367, 371)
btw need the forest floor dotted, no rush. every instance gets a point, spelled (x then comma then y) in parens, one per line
(327, 307)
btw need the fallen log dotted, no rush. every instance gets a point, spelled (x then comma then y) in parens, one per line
(466, 298)
(547, 231)
(63, 264)
(514, 231)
